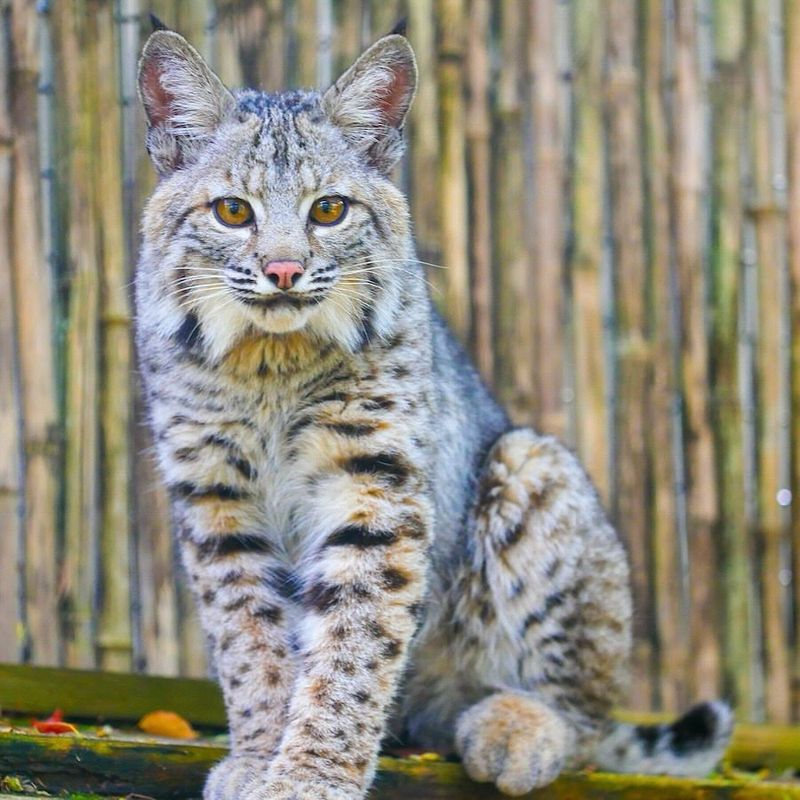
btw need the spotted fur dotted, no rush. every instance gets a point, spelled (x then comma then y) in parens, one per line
(370, 544)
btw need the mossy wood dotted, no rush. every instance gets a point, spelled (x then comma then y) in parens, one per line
(172, 771)
(84, 694)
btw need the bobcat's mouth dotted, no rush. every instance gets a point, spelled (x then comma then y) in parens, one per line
(282, 300)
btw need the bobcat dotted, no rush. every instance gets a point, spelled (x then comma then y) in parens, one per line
(372, 546)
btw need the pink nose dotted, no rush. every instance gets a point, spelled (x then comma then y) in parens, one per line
(284, 274)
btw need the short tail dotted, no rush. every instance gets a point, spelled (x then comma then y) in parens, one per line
(692, 745)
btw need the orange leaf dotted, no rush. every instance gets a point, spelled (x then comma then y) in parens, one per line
(53, 724)
(44, 726)
(167, 723)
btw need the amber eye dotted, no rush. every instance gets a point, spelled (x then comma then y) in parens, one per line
(328, 210)
(233, 212)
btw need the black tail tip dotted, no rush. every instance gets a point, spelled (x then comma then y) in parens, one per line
(703, 726)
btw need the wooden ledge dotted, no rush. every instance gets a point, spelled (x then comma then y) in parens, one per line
(169, 771)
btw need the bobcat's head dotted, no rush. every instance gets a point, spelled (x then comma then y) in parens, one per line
(274, 212)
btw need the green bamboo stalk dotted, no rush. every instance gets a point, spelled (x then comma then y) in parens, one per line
(728, 145)
(545, 214)
(669, 562)
(516, 327)
(767, 214)
(115, 624)
(632, 348)
(453, 197)
(348, 42)
(688, 193)
(424, 142)
(32, 269)
(792, 110)
(227, 39)
(479, 131)
(587, 202)
(11, 489)
(79, 104)
(305, 36)
(383, 16)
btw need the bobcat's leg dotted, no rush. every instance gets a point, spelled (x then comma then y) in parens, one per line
(366, 526)
(228, 558)
(537, 626)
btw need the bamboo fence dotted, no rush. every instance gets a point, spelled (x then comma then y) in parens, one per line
(613, 192)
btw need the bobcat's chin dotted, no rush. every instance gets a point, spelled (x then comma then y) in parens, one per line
(280, 319)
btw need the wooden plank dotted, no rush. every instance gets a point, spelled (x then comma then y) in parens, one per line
(112, 696)
(85, 694)
(171, 771)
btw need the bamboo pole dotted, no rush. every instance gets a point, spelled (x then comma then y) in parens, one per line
(545, 214)
(115, 624)
(515, 325)
(728, 94)
(478, 130)
(424, 139)
(349, 26)
(767, 215)
(688, 198)
(633, 355)
(228, 63)
(79, 101)
(669, 559)
(324, 43)
(304, 30)
(792, 110)
(452, 165)
(34, 303)
(11, 488)
(274, 76)
(587, 200)
(383, 16)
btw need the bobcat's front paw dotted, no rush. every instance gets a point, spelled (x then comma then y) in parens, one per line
(513, 741)
(237, 778)
(288, 789)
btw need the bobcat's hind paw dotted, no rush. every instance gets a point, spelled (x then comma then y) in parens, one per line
(237, 777)
(513, 741)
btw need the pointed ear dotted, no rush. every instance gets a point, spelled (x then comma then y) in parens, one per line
(183, 99)
(370, 101)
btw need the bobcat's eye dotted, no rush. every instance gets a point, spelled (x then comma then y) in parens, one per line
(328, 210)
(233, 212)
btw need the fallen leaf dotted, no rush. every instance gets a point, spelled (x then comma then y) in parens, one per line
(53, 724)
(167, 723)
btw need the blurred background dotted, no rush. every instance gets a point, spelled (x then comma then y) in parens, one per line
(611, 194)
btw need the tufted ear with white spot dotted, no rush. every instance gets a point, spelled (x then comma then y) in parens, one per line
(370, 101)
(184, 100)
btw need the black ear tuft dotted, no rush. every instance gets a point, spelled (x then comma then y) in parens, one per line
(157, 24)
(401, 28)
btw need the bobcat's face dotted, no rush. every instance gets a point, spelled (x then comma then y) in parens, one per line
(274, 212)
